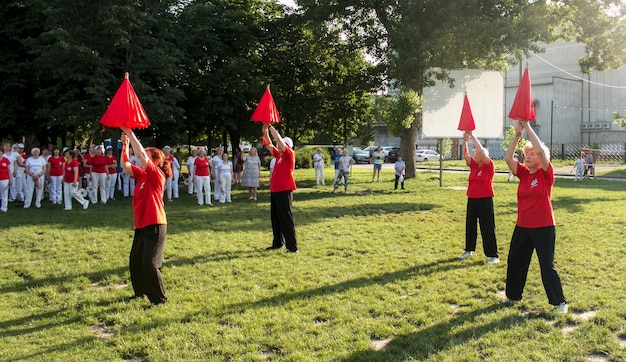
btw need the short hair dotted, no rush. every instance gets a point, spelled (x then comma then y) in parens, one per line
(35, 149)
(529, 146)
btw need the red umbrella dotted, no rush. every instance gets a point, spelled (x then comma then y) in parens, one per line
(467, 120)
(266, 111)
(523, 106)
(125, 109)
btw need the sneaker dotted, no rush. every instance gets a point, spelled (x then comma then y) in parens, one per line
(493, 260)
(562, 308)
(466, 254)
(85, 205)
(508, 301)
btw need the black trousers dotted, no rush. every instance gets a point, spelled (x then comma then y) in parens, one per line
(146, 259)
(481, 211)
(395, 184)
(523, 242)
(283, 226)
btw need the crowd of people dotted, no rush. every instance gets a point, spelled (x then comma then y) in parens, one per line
(95, 176)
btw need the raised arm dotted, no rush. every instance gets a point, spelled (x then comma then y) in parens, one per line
(466, 155)
(279, 140)
(480, 150)
(537, 146)
(508, 156)
(126, 164)
(138, 149)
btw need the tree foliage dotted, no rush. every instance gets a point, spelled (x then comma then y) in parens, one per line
(417, 42)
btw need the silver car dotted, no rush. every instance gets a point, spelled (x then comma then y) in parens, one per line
(426, 155)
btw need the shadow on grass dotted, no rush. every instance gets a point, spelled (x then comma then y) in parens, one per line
(587, 186)
(122, 271)
(438, 266)
(439, 337)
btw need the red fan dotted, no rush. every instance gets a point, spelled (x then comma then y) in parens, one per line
(266, 111)
(467, 120)
(125, 109)
(523, 106)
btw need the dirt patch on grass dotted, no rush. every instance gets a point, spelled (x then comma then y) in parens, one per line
(381, 344)
(101, 331)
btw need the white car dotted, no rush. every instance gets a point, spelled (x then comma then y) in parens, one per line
(426, 155)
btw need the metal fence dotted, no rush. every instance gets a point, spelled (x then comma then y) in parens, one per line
(607, 153)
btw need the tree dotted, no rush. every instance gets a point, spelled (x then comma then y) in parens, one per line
(416, 41)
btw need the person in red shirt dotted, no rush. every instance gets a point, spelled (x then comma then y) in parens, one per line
(201, 177)
(112, 170)
(534, 229)
(282, 186)
(5, 180)
(86, 162)
(71, 180)
(99, 175)
(479, 201)
(55, 175)
(146, 254)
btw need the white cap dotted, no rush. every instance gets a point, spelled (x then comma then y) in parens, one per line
(166, 148)
(109, 147)
(64, 149)
(288, 142)
(20, 145)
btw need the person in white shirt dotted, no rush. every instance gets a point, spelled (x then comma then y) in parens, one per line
(36, 172)
(344, 170)
(190, 169)
(217, 159)
(318, 164)
(128, 183)
(19, 175)
(225, 177)
(400, 167)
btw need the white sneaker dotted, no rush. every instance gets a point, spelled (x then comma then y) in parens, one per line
(466, 254)
(562, 308)
(85, 204)
(493, 260)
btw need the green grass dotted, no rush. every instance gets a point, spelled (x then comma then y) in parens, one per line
(371, 268)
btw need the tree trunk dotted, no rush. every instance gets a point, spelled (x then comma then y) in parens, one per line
(408, 140)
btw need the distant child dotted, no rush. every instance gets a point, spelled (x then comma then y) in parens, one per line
(580, 168)
(400, 168)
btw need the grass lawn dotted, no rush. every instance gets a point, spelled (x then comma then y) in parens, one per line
(377, 279)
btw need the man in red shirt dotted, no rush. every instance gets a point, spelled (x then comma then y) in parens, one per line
(282, 186)
(534, 229)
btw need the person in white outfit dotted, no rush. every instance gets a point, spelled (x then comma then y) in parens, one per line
(217, 159)
(190, 169)
(19, 174)
(202, 177)
(225, 176)
(35, 177)
(175, 177)
(71, 180)
(318, 164)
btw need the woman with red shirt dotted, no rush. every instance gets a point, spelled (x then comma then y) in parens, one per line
(99, 175)
(202, 177)
(479, 201)
(55, 175)
(534, 229)
(71, 180)
(146, 254)
(5, 180)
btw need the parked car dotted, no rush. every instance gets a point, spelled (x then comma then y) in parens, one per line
(426, 155)
(392, 154)
(360, 155)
